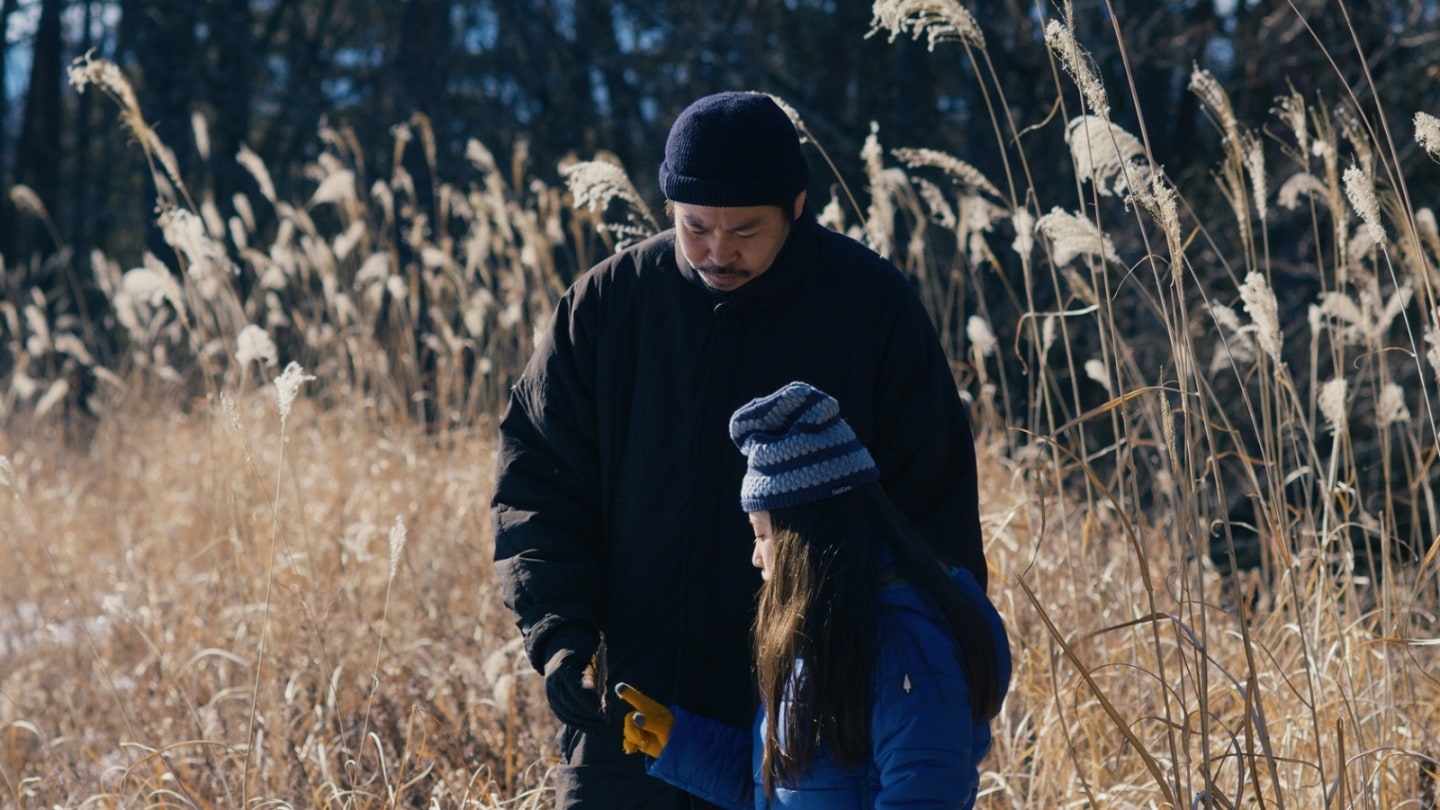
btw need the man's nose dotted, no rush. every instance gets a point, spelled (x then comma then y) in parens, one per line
(718, 249)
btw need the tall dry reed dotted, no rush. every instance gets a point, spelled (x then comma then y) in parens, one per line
(1207, 475)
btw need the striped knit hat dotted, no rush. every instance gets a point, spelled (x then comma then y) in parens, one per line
(799, 449)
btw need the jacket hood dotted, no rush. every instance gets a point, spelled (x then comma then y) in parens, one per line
(901, 596)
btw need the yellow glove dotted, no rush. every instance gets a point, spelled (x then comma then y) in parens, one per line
(647, 729)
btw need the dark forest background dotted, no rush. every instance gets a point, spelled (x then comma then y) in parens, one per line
(541, 79)
(401, 89)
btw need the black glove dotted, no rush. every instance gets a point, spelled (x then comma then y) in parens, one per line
(570, 678)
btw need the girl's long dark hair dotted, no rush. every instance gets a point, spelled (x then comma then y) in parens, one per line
(819, 606)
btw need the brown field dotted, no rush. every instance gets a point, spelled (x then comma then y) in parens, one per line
(192, 620)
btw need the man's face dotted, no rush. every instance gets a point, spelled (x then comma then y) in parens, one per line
(730, 247)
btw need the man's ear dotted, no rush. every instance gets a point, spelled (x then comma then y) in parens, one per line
(799, 205)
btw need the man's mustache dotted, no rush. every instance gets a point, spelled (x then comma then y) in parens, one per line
(717, 270)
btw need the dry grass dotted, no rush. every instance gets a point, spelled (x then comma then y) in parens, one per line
(135, 618)
(249, 587)
(182, 612)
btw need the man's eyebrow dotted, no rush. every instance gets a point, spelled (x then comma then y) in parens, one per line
(747, 225)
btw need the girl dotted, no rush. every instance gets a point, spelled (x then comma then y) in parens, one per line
(879, 666)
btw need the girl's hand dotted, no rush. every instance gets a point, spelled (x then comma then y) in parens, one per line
(648, 728)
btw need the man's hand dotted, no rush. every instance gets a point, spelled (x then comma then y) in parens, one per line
(648, 728)
(570, 679)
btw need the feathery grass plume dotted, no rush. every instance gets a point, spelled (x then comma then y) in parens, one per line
(595, 184)
(27, 201)
(1383, 317)
(1079, 64)
(397, 544)
(1424, 222)
(153, 283)
(1345, 318)
(794, 116)
(1254, 155)
(1224, 317)
(1361, 245)
(982, 340)
(1204, 85)
(939, 20)
(104, 74)
(1260, 302)
(807, 137)
(1024, 223)
(1361, 193)
(1072, 235)
(1291, 110)
(205, 259)
(105, 270)
(1427, 133)
(287, 385)
(1302, 184)
(69, 344)
(1095, 370)
(238, 235)
(966, 176)
(254, 343)
(252, 163)
(832, 215)
(1352, 128)
(1159, 197)
(1332, 405)
(38, 341)
(347, 239)
(941, 213)
(244, 211)
(1226, 352)
(1432, 337)
(56, 393)
(1391, 407)
(214, 223)
(337, 187)
(8, 479)
(880, 216)
(201, 129)
(977, 218)
(232, 413)
(1105, 154)
(376, 267)
(1049, 330)
(23, 386)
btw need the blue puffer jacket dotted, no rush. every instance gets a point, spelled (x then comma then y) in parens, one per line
(926, 750)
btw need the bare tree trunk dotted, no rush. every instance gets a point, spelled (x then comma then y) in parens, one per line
(81, 202)
(424, 55)
(7, 214)
(233, 58)
(37, 163)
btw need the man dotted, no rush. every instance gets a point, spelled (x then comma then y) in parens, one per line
(614, 508)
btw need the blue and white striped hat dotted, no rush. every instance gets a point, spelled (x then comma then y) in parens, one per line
(799, 449)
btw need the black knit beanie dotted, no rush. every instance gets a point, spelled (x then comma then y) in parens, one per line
(732, 150)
